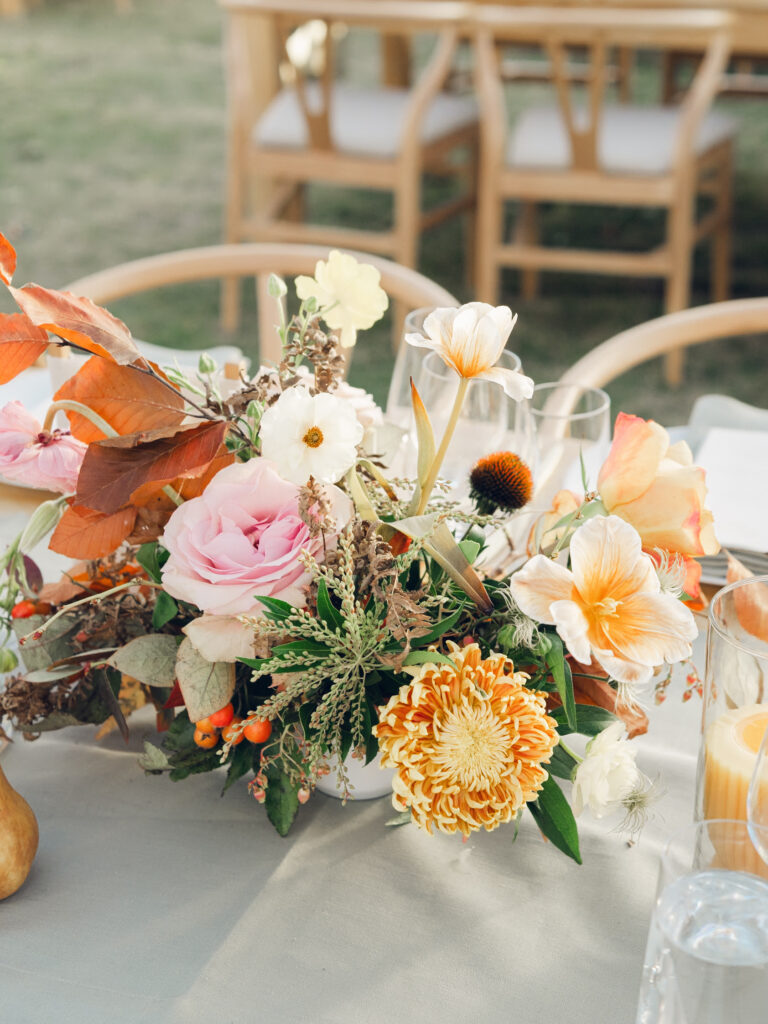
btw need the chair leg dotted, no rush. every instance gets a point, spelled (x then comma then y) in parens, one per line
(527, 233)
(407, 226)
(680, 241)
(721, 237)
(470, 222)
(490, 214)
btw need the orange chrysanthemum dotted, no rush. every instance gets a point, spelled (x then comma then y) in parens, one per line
(468, 744)
(501, 480)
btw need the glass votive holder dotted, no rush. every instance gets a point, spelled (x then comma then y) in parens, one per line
(735, 713)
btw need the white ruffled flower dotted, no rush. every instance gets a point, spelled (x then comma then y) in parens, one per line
(607, 775)
(347, 294)
(470, 340)
(306, 435)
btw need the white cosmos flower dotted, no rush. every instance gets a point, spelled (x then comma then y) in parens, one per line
(306, 435)
(609, 605)
(470, 340)
(608, 773)
(347, 293)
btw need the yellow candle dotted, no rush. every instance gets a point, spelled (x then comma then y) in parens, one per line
(730, 753)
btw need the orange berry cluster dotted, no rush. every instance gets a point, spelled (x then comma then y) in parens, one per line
(226, 724)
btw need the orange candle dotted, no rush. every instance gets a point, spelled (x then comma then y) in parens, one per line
(730, 754)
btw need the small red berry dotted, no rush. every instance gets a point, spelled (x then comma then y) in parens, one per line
(23, 610)
(222, 718)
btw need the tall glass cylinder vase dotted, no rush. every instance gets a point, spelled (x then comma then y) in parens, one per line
(735, 715)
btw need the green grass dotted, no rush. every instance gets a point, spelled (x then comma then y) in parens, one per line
(112, 147)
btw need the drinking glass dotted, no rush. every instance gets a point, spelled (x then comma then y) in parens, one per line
(706, 960)
(735, 713)
(570, 423)
(407, 364)
(482, 425)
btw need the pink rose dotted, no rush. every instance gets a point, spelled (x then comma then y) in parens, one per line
(242, 539)
(49, 459)
(655, 487)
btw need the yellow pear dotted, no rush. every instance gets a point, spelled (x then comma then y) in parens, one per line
(18, 838)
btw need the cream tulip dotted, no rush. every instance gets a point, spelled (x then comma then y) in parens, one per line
(470, 340)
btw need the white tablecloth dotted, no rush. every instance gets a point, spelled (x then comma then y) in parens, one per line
(154, 901)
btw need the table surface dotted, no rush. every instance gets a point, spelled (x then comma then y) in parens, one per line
(154, 901)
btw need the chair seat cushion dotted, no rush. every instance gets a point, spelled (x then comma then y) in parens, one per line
(631, 139)
(364, 122)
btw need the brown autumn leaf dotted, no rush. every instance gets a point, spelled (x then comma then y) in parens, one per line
(79, 321)
(7, 260)
(21, 343)
(186, 487)
(114, 469)
(600, 693)
(84, 533)
(128, 399)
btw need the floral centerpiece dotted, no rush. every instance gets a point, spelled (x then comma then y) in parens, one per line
(247, 564)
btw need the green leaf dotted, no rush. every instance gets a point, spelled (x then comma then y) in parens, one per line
(154, 760)
(427, 658)
(553, 814)
(470, 549)
(370, 718)
(241, 761)
(206, 686)
(561, 673)
(313, 647)
(437, 631)
(561, 764)
(590, 720)
(281, 801)
(438, 541)
(165, 609)
(326, 609)
(147, 558)
(403, 818)
(54, 644)
(151, 659)
(277, 610)
(346, 745)
(425, 437)
(184, 756)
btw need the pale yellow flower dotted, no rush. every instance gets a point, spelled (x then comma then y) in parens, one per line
(609, 605)
(470, 340)
(347, 293)
(468, 743)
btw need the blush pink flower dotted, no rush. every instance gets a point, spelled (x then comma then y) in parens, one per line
(655, 487)
(48, 459)
(241, 539)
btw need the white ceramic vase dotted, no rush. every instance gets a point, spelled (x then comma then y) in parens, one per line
(367, 781)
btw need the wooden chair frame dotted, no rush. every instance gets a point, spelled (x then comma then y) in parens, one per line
(711, 173)
(287, 171)
(402, 284)
(668, 333)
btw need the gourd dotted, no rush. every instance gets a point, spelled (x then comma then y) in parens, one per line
(18, 838)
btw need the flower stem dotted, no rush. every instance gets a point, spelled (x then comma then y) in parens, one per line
(571, 753)
(450, 427)
(83, 410)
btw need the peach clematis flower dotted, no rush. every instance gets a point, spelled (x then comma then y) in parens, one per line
(609, 605)
(656, 488)
(470, 340)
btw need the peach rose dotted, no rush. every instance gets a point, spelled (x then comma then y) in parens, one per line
(655, 487)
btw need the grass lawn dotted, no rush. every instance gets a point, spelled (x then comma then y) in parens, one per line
(112, 147)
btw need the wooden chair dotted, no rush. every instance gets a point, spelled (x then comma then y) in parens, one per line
(665, 334)
(318, 129)
(249, 260)
(602, 153)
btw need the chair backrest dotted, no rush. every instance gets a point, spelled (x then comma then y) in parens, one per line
(313, 79)
(559, 30)
(402, 284)
(676, 330)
